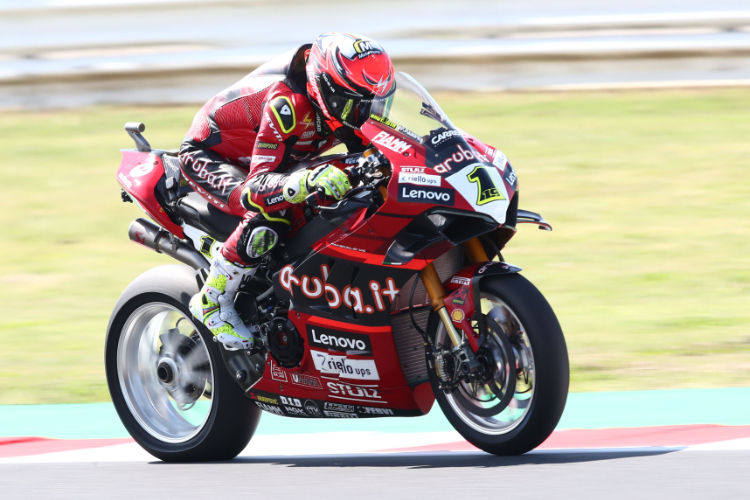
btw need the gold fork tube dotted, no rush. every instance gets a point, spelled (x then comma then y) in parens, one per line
(475, 251)
(436, 291)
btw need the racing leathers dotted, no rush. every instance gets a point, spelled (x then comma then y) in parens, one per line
(238, 154)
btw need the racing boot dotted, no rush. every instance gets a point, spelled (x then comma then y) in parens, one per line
(214, 305)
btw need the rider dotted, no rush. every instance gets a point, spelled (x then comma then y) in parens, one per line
(242, 143)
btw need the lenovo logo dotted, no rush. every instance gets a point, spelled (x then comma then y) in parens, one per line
(439, 196)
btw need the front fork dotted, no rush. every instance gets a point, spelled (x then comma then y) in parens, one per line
(475, 251)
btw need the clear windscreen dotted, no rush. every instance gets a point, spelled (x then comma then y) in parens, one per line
(412, 111)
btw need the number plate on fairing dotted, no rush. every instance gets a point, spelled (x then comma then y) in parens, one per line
(483, 188)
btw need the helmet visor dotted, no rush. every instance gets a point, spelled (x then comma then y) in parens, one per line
(347, 106)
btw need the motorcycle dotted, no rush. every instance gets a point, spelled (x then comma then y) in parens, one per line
(378, 305)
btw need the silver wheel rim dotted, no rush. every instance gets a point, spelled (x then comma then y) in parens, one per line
(518, 408)
(166, 410)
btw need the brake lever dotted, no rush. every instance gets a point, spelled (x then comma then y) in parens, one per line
(313, 199)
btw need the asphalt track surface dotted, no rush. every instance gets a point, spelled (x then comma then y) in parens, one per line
(632, 474)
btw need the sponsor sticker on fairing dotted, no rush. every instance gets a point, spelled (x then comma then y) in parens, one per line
(339, 341)
(394, 144)
(460, 280)
(436, 195)
(358, 369)
(271, 409)
(338, 407)
(336, 414)
(306, 380)
(419, 179)
(368, 410)
(297, 412)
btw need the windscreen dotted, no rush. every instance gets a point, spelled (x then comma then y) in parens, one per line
(412, 111)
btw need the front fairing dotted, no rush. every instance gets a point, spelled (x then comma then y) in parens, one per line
(432, 162)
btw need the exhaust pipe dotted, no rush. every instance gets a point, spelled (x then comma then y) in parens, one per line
(150, 235)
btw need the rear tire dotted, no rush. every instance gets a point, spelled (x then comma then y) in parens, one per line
(227, 420)
(538, 412)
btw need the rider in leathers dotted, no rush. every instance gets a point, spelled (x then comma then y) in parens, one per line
(245, 139)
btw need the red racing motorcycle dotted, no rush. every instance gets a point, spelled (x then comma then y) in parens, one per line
(379, 304)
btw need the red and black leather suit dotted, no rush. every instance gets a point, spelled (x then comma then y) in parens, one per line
(244, 140)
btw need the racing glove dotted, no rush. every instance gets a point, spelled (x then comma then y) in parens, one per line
(334, 182)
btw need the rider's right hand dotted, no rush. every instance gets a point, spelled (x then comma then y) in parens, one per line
(331, 180)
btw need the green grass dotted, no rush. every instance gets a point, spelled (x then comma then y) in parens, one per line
(648, 266)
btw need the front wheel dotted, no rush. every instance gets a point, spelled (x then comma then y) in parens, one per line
(520, 419)
(167, 378)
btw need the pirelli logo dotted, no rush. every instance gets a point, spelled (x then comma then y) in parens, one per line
(266, 145)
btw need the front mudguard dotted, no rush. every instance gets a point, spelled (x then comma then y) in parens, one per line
(464, 289)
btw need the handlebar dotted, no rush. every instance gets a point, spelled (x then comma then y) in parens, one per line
(356, 174)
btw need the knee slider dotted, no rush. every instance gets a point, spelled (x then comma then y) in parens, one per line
(261, 241)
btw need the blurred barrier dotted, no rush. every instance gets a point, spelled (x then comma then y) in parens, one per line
(72, 52)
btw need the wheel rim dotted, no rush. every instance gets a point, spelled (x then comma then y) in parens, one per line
(467, 401)
(165, 373)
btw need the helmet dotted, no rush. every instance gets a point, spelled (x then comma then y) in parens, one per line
(345, 72)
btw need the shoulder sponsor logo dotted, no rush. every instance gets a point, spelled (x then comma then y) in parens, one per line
(262, 159)
(460, 280)
(283, 108)
(368, 410)
(357, 369)
(307, 122)
(270, 409)
(437, 195)
(338, 407)
(339, 341)
(266, 145)
(388, 141)
(306, 380)
(419, 179)
(354, 393)
(336, 414)
(273, 127)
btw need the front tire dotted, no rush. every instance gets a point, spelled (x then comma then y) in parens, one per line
(167, 378)
(542, 371)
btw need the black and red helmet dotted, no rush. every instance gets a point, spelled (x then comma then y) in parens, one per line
(345, 72)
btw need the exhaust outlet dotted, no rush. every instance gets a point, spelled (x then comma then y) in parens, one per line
(150, 235)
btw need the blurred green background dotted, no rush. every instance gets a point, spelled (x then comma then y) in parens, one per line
(648, 266)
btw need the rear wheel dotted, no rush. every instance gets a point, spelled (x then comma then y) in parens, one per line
(518, 406)
(166, 377)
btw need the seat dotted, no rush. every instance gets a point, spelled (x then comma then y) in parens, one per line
(200, 213)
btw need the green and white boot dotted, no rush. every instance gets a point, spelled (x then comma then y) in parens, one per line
(214, 305)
